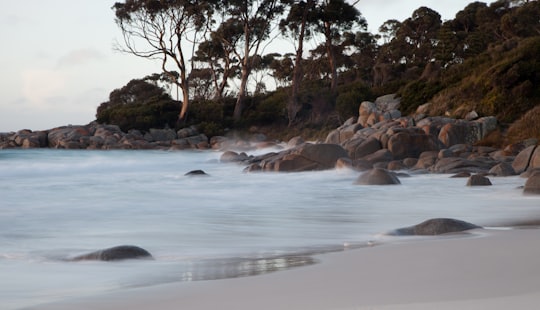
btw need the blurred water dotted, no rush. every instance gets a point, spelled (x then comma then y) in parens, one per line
(56, 204)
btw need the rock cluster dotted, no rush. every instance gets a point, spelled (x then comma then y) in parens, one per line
(304, 157)
(380, 139)
(105, 137)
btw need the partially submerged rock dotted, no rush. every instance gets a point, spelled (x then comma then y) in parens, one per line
(478, 180)
(305, 157)
(377, 176)
(196, 173)
(437, 226)
(532, 186)
(115, 253)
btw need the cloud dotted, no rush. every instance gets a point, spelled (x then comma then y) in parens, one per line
(10, 20)
(79, 57)
(39, 86)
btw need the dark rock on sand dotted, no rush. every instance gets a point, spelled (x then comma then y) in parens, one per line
(115, 253)
(377, 176)
(433, 227)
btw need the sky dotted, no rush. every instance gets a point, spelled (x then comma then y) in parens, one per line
(58, 64)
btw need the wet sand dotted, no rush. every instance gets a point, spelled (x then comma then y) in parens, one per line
(488, 269)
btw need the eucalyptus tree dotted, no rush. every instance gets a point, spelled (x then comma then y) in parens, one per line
(167, 30)
(249, 24)
(333, 18)
(295, 26)
(417, 36)
(217, 54)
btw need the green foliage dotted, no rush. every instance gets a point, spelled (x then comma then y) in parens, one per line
(206, 111)
(417, 93)
(503, 81)
(528, 126)
(266, 109)
(349, 98)
(139, 105)
(318, 102)
(486, 59)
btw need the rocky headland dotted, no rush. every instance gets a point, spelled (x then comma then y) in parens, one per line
(380, 138)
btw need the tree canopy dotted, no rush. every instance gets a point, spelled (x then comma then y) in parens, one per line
(220, 51)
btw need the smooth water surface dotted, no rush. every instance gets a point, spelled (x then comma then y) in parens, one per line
(56, 204)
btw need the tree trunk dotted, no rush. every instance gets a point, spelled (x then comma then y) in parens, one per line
(294, 107)
(331, 56)
(184, 84)
(185, 103)
(237, 115)
(239, 106)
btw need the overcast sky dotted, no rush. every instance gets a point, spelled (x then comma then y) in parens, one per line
(57, 61)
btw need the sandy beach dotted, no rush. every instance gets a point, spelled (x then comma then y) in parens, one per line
(487, 269)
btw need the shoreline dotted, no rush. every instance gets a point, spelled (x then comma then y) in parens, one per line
(491, 268)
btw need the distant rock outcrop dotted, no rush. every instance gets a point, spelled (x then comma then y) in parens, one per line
(105, 137)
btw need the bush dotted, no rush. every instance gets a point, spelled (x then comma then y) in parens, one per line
(349, 98)
(417, 93)
(205, 111)
(139, 105)
(265, 109)
(528, 126)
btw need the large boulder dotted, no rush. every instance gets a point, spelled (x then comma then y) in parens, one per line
(535, 159)
(326, 155)
(436, 226)
(411, 143)
(309, 157)
(359, 147)
(523, 159)
(366, 110)
(380, 156)
(532, 186)
(377, 176)
(115, 253)
(465, 132)
(384, 108)
(343, 133)
(231, 157)
(458, 164)
(305, 157)
(502, 170)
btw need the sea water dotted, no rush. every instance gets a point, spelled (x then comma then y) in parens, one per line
(57, 204)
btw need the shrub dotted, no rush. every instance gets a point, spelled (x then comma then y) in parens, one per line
(349, 98)
(528, 126)
(417, 93)
(139, 105)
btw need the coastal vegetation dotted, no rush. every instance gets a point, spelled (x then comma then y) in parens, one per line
(484, 60)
